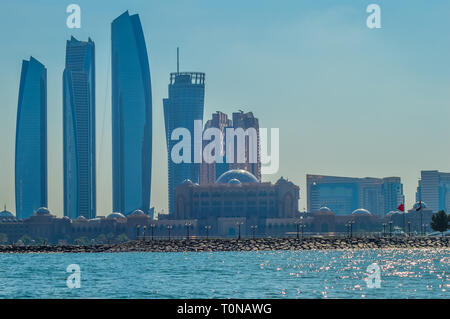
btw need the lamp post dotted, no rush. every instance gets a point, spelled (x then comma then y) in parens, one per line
(384, 229)
(254, 227)
(351, 227)
(409, 229)
(138, 228)
(207, 228)
(143, 234)
(188, 225)
(153, 229)
(390, 229)
(239, 229)
(169, 228)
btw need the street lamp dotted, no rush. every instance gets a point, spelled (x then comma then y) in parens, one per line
(143, 234)
(302, 225)
(390, 229)
(254, 227)
(169, 228)
(239, 229)
(153, 229)
(384, 229)
(351, 227)
(409, 229)
(188, 225)
(138, 228)
(207, 228)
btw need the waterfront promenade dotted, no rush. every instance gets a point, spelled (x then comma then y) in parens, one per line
(258, 244)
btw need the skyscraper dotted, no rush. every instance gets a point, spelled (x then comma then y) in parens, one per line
(184, 105)
(131, 116)
(434, 190)
(247, 121)
(79, 129)
(31, 140)
(345, 194)
(209, 172)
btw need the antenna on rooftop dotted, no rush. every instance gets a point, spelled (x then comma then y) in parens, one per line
(178, 60)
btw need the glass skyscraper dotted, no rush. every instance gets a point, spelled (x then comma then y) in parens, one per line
(79, 129)
(434, 190)
(184, 105)
(343, 195)
(131, 116)
(31, 140)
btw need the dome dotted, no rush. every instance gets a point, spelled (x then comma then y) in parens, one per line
(234, 181)
(392, 213)
(43, 211)
(6, 215)
(361, 212)
(324, 209)
(81, 219)
(416, 205)
(116, 216)
(187, 182)
(137, 212)
(239, 174)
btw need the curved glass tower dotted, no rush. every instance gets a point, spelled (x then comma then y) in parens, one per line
(79, 129)
(131, 116)
(31, 140)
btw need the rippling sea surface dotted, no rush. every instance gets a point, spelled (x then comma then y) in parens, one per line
(279, 274)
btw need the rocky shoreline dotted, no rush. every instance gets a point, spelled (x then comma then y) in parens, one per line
(259, 244)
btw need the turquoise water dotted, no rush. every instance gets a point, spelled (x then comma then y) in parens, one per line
(281, 274)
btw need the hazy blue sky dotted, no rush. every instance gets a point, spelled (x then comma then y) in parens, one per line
(348, 100)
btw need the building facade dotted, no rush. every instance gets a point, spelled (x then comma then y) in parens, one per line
(79, 129)
(131, 116)
(184, 105)
(345, 194)
(209, 172)
(31, 140)
(434, 189)
(252, 156)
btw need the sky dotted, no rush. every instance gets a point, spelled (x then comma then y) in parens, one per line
(348, 100)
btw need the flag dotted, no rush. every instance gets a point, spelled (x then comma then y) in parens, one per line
(401, 207)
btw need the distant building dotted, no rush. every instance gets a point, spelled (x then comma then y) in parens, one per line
(248, 121)
(31, 140)
(236, 197)
(209, 172)
(434, 189)
(345, 194)
(79, 129)
(131, 116)
(184, 105)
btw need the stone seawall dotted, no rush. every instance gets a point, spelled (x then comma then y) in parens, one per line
(260, 244)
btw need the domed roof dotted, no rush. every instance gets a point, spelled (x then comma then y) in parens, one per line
(81, 219)
(138, 212)
(416, 205)
(239, 174)
(116, 216)
(324, 211)
(361, 212)
(187, 181)
(393, 213)
(5, 215)
(43, 211)
(234, 181)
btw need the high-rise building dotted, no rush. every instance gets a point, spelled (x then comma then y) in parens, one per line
(209, 172)
(434, 190)
(131, 116)
(343, 195)
(184, 105)
(247, 121)
(79, 129)
(31, 140)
